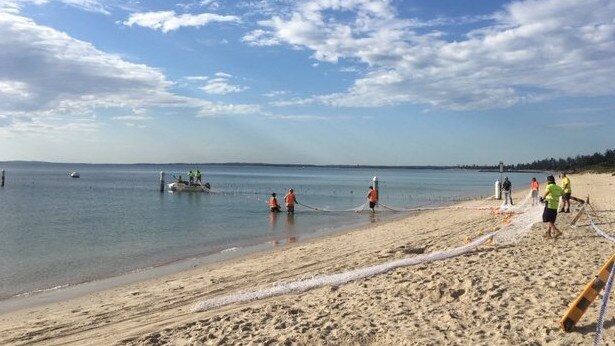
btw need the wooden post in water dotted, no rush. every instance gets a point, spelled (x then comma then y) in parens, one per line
(161, 181)
(2, 184)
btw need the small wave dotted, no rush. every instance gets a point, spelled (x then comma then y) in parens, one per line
(231, 249)
(25, 294)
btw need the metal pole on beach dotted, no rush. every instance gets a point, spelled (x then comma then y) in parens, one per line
(501, 181)
(2, 184)
(161, 181)
(375, 183)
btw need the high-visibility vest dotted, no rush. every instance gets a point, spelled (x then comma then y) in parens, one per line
(273, 202)
(373, 196)
(534, 185)
(566, 185)
(553, 194)
(289, 198)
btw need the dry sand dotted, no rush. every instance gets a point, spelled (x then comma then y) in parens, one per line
(499, 294)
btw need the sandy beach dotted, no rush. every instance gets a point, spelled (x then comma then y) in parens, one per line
(509, 292)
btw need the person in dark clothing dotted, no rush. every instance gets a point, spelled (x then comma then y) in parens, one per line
(507, 187)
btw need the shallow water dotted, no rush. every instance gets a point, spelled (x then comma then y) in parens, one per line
(57, 231)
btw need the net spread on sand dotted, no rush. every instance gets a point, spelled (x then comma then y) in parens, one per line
(523, 216)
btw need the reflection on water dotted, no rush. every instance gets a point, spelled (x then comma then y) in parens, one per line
(282, 235)
(290, 228)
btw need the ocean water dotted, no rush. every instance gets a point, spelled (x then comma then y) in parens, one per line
(57, 231)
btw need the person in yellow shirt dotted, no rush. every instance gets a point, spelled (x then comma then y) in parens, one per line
(551, 199)
(567, 193)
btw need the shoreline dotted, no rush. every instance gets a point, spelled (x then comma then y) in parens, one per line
(498, 294)
(177, 238)
(52, 295)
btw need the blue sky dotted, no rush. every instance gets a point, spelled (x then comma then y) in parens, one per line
(313, 82)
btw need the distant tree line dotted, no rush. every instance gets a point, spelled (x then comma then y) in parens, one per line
(598, 162)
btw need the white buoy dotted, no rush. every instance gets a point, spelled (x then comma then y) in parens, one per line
(498, 190)
(375, 180)
(161, 181)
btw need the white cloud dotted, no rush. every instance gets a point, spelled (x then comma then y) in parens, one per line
(46, 75)
(261, 8)
(52, 70)
(261, 38)
(12, 89)
(210, 4)
(220, 88)
(298, 117)
(88, 5)
(53, 128)
(275, 93)
(529, 51)
(14, 6)
(96, 6)
(166, 21)
(220, 109)
(196, 78)
(221, 85)
(131, 118)
(294, 102)
(137, 119)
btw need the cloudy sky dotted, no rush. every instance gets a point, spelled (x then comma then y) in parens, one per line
(392, 82)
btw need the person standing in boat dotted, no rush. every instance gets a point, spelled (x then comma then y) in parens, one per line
(290, 199)
(190, 177)
(198, 177)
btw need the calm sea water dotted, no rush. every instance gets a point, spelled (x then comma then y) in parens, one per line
(57, 231)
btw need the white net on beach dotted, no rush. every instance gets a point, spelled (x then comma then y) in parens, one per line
(593, 224)
(524, 216)
(334, 279)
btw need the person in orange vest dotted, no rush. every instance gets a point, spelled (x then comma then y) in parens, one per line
(535, 187)
(273, 204)
(290, 199)
(372, 196)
